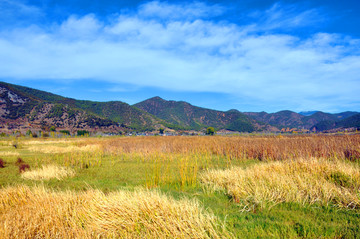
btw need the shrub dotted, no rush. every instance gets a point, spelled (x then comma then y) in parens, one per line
(66, 132)
(19, 161)
(2, 163)
(82, 132)
(23, 167)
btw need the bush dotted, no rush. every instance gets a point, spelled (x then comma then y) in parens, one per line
(23, 167)
(66, 132)
(19, 161)
(2, 163)
(82, 132)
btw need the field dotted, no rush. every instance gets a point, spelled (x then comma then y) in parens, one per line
(180, 187)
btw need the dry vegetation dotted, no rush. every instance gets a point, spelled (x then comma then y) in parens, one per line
(305, 181)
(257, 172)
(49, 149)
(40, 213)
(48, 172)
(9, 153)
(235, 148)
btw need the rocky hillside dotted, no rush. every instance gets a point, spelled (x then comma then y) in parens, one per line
(26, 108)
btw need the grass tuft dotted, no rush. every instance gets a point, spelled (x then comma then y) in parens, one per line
(302, 181)
(41, 213)
(48, 172)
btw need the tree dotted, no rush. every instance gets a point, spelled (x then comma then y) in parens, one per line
(210, 131)
(161, 131)
(66, 132)
(28, 133)
(52, 129)
(83, 133)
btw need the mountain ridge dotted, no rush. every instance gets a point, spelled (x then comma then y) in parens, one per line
(24, 107)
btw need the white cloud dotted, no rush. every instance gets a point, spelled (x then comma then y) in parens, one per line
(79, 27)
(190, 54)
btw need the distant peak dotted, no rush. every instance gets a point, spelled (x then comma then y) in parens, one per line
(233, 111)
(156, 98)
(308, 113)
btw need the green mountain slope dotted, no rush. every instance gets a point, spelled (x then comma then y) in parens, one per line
(349, 122)
(287, 118)
(181, 114)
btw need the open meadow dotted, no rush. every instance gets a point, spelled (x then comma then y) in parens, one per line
(180, 187)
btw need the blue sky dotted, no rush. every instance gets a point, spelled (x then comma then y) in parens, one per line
(250, 55)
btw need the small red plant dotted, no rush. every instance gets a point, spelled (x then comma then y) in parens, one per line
(19, 161)
(2, 163)
(23, 167)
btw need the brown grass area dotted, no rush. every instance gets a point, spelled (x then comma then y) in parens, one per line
(261, 148)
(304, 181)
(40, 213)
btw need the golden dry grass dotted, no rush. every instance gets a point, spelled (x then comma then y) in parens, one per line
(50, 149)
(40, 213)
(9, 153)
(48, 172)
(303, 181)
(53, 141)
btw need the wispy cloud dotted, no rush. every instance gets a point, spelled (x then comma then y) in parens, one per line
(13, 11)
(178, 47)
(187, 11)
(287, 17)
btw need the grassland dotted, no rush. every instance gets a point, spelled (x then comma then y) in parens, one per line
(181, 187)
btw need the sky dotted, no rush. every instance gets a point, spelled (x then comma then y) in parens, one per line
(249, 55)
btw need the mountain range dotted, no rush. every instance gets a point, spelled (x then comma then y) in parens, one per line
(23, 108)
